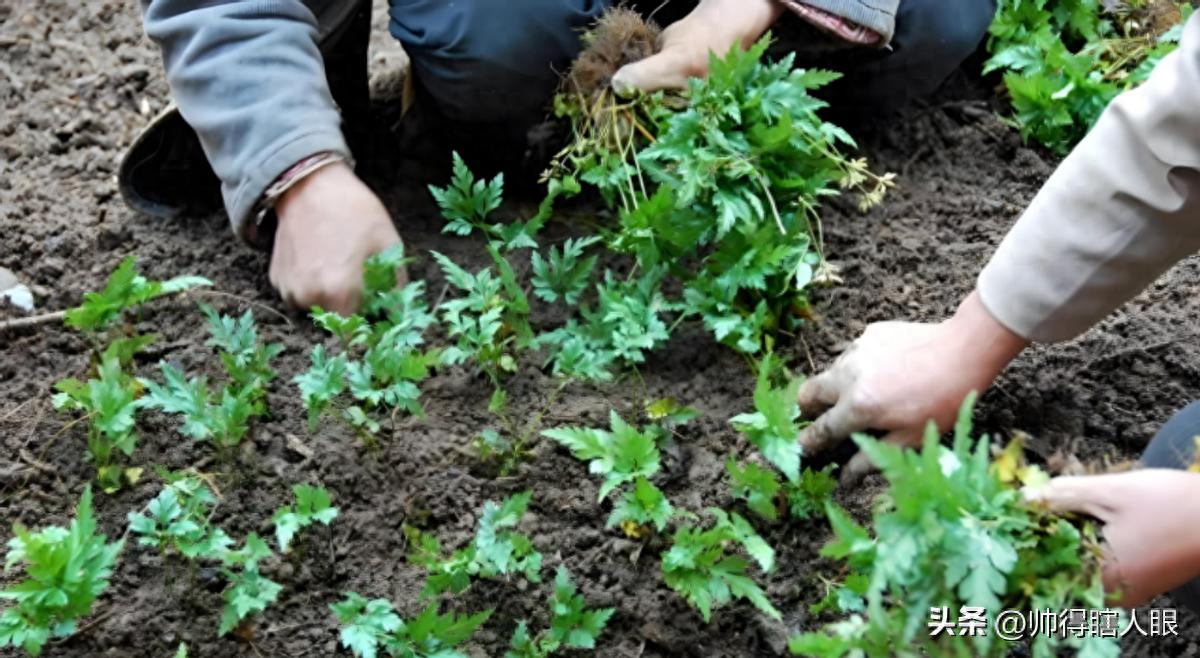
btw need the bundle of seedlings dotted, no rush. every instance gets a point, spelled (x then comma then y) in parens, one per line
(719, 185)
(953, 551)
(1064, 61)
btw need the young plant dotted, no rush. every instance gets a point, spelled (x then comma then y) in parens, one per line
(641, 507)
(371, 627)
(954, 531)
(620, 456)
(564, 273)
(109, 402)
(765, 494)
(66, 569)
(773, 427)
(759, 487)
(381, 363)
(496, 551)
(572, 624)
(179, 519)
(313, 505)
(125, 290)
(247, 361)
(249, 592)
(490, 322)
(1065, 61)
(466, 202)
(699, 568)
(812, 494)
(221, 415)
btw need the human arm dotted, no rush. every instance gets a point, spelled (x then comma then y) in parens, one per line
(1151, 523)
(1120, 210)
(716, 25)
(249, 77)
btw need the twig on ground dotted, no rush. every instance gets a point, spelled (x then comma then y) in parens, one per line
(32, 321)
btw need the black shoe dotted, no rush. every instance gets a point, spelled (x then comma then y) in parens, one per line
(165, 172)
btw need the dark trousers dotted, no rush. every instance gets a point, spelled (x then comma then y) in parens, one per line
(493, 61)
(1175, 447)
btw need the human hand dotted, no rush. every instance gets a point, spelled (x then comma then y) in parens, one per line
(713, 26)
(899, 376)
(330, 223)
(1151, 526)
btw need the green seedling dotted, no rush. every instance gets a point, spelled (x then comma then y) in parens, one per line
(644, 505)
(126, 289)
(249, 592)
(1064, 61)
(489, 323)
(466, 202)
(65, 570)
(220, 415)
(179, 520)
(620, 455)
(954, 530)
(313, 505)
(372, 628)
(496, 551)
(773, 426)
(757, 486)
(381, 363)
(572, 624)
(564, 273)
(699, 567)
(109, 402)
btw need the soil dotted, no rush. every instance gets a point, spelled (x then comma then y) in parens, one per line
(77, 80)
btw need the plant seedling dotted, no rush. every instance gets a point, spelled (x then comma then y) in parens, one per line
(110, 404)
(371, 626)
(954, 530)
(564, 273)
(179, 519)
(381, 364)
(773, 427)
(698, 567)
(621, 455)
(644, 505)
(572, 625)
(249, 592)
(497, 550)
(466, 202)
(66, 569)
(313, 505)
(126, 289)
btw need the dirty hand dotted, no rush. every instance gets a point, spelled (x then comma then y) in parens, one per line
(330, 223)
(714, 26)
(1151, 526)
(899, 376)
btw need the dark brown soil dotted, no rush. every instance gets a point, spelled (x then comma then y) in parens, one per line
(78, 79)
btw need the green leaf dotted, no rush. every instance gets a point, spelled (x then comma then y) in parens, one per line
(757, 486)
(772, 428)
(620, 455)
(466, 202)
(64, 569)
(564, 274)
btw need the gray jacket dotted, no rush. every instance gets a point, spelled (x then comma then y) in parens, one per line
(248, 76)
(1120, 210)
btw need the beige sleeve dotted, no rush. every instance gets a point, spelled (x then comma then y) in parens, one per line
(1120, 210)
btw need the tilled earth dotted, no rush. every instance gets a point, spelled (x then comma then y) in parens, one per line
(78, 80)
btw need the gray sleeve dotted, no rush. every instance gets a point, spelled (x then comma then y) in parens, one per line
(248, 77)
(1120, 210)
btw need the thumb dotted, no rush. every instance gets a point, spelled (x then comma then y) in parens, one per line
(669, 69)
(1084, 494)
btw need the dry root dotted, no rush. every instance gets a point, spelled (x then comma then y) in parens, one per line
(619, 37)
